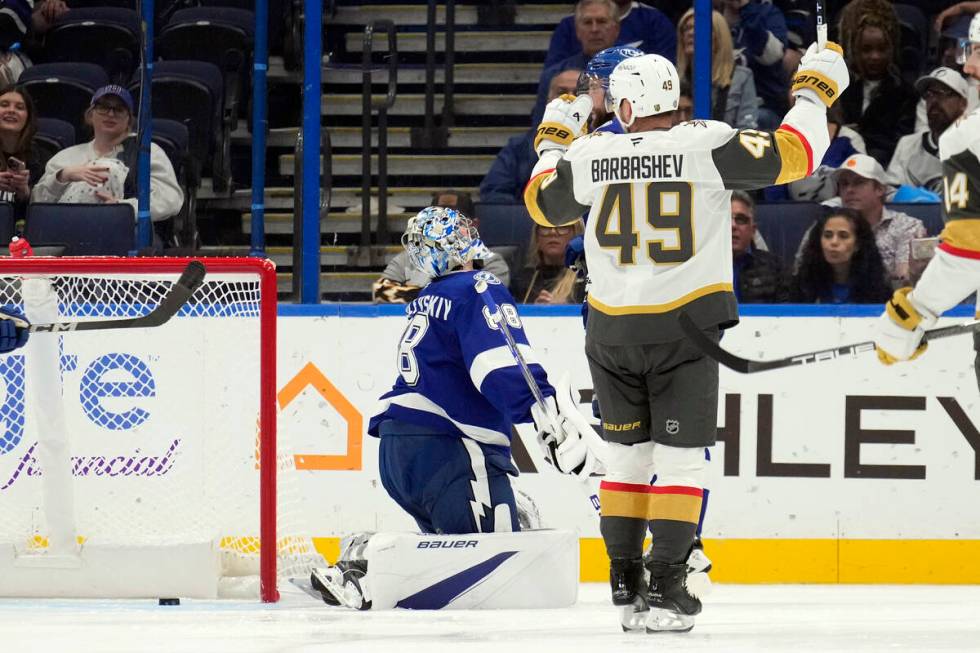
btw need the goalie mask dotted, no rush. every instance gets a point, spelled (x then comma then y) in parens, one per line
(439, 239)
(649, 83)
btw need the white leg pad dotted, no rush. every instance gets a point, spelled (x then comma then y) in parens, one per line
(683, 466)
(629, 463)
(530, 569)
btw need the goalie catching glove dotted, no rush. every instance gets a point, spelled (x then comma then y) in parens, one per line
(822, 75)
(13, 331)
(900, 328)
(563, 121)
(567, 439)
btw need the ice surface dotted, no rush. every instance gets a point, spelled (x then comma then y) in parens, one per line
(838, 618)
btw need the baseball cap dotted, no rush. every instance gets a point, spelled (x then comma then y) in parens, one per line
(946, 76)
(116, 90)
(958, 28)
(864, 166)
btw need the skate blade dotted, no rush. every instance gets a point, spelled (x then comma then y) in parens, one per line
(633, 618)
(668, 621)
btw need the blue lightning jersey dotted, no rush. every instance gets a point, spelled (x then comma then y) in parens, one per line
(613, 126)
(455, 373)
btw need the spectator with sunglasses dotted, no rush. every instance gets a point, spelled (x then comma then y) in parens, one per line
(546, 280)
(759, 276)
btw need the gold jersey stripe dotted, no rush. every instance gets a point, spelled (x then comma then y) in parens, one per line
(962, 234)
(660, 308)
(793, 155)
(531, 192)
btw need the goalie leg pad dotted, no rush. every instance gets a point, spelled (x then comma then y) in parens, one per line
(532, 569)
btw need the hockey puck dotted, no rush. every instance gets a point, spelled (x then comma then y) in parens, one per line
(169, 601)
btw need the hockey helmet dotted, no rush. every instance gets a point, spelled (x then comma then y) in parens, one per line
(439, 239)
(649, 83)
(599, 68)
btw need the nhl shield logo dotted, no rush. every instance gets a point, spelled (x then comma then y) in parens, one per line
(673, 426)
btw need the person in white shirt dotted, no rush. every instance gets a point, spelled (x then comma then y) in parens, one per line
(916, 159)
(104, 169)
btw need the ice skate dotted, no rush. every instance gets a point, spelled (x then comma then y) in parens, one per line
(628, 581)
(671, 606)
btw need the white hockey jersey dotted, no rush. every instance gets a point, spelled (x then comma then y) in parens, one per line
(959, 151)
(658, 238)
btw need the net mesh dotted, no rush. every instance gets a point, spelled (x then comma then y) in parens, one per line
(154, 431)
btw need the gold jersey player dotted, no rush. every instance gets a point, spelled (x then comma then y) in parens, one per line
(658, 242)
(954, 273)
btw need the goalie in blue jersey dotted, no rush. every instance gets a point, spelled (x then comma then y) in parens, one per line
(445, 426)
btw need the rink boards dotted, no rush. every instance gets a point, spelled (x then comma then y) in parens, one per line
(844, 471)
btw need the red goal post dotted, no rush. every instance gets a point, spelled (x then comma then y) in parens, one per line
(187, 383)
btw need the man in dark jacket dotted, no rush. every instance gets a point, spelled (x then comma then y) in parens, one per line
(760, 277)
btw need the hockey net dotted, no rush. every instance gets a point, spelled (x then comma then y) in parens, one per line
(142, 452)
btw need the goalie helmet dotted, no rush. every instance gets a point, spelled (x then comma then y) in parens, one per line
(439, 239)
(649, 83)
(600, 67)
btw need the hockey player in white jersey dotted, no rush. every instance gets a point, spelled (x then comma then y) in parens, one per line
(954, 272)
(658, 242)
(445, 456)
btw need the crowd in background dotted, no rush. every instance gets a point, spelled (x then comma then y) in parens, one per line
(884, 130)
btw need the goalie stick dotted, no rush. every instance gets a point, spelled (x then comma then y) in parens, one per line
(190, 280)
(749, 366)
(491, 304)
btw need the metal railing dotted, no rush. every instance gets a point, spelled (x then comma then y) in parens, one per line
(299, 233)
(368, 109)
(431, 135)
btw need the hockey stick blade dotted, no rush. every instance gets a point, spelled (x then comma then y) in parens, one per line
(748, 366)
(190, 280)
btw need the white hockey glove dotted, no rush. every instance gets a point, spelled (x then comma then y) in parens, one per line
(822, 76)
(564, 120)
(898, 336)
(565, 436)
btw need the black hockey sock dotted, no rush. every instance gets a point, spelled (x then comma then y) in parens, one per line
(623, 536)
(672, 540)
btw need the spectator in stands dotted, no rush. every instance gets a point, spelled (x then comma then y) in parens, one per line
(733, 98)
(862, 185)
(15, 20)
(104, 169)
(685, 105)
(800, 32)
(821, 185)
(759, 32)
(640, 26)
(546, 280)
(45, 13)
(505, 181)
(916, 159)
(401, 281)
(949, 47)
(879, 102)
(19, 168)
(597, 26)
(841, 263)
(759, 275)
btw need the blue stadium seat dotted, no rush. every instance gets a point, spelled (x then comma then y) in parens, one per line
(220, 35)
(190, 92)
(783, 224)
(83, 229)
(6, 223)
(114, 30)
(173, 139)
(504, 224)
(52, 136)
(64, 91)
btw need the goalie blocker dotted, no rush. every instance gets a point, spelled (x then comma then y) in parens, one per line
(530, 569)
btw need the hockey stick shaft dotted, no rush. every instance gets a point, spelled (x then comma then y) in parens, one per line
(748, 366)
(190, 280)
(821, 16)
(483, 290)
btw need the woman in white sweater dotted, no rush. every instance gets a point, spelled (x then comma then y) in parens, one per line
(104, 169)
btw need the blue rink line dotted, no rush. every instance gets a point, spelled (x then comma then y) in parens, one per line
(574, 310)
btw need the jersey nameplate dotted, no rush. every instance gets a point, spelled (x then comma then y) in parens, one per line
(637, 167)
